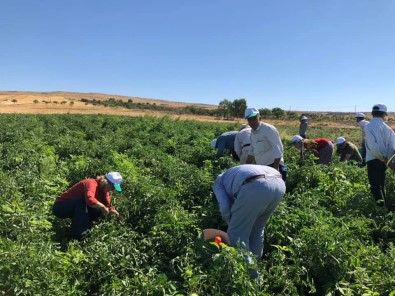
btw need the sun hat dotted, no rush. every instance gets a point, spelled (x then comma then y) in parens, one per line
(251, 112)
(116, 179)
(214, 143)
(380, 108)
(340, 141)
(296, 139)
(359, 115)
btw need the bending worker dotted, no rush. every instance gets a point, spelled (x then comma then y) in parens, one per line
(225, 141)
(243, 143)
(248, 195)
(320, 147)
(86, 201)
(347, 151)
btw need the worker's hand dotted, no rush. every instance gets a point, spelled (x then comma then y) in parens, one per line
(115, 212)
(391, 165)
(105, 210)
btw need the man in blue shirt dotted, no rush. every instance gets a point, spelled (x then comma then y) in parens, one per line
(226, 141)
(247, 196)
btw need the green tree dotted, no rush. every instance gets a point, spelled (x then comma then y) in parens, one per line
(278, 112)
(225, 107)
(265, 112)
(238, 108)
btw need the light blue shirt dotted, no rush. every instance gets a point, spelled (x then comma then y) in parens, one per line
(227, 185)
(225, 141)
(380, 140)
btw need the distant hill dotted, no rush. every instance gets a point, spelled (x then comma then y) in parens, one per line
(81, 103)
(70, 102)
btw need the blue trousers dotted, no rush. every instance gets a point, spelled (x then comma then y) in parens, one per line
(81, 214)
(255, 203)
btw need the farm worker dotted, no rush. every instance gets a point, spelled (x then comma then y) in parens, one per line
(266, 146)
(303, 127)
(380, 147)
(347, 151)
(247, 196)
(86, 201)
(243, 143)
(361, 122)
(320, 147)
(225, 141)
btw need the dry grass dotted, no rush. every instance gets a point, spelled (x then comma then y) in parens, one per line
(69, 103)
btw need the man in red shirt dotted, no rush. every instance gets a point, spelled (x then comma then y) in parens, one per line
(86, 201)
(320, 147)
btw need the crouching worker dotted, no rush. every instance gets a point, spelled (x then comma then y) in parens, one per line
(348, 151)
(86, 201)
(247, 196)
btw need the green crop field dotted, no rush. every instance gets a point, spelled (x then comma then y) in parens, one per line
(327, 237)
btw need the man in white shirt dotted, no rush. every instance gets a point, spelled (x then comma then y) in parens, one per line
(243, 143)
(266, 145)
(361, 122)
(380, 146)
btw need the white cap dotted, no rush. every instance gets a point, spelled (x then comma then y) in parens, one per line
(296, 139)
(251, 112)
(340, 141)
(380, 108)
(214, 142)
(116, 179)
(303, 118)
(359, 115)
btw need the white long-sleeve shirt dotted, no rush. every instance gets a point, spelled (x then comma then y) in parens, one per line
(362, 125)
(380, 140)
(266, 145)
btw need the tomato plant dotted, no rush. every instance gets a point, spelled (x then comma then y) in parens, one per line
(327, 237)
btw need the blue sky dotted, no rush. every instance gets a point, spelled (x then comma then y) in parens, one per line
(308, 55)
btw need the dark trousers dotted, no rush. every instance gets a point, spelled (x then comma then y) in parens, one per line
(234, 155)
(376, 175)
(81, 215)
